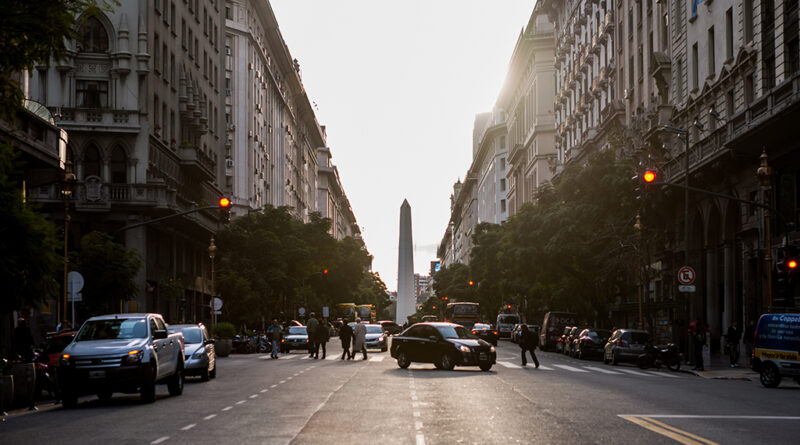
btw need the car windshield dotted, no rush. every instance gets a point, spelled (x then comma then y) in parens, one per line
(509, 319)
(479, 326)
(191, 335)
(374, 329)
(118, 328)
(297, 330)
(454, 332)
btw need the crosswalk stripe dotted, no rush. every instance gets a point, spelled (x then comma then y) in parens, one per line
(290, 356)
(570, 368)
(508, 365)
(333, 357)
(305, 357)
(604, 371)
(630, 371)
(378, 358)
(664, 374)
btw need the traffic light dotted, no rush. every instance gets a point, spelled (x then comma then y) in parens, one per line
(644, 182)
(225, 209)
(471, 282)
(324, 271)
(787, 273)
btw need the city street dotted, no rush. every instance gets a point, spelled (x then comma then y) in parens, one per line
(295, 399)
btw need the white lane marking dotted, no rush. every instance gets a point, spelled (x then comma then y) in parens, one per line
(604, 371)
(508, 365)
(415, 404)
(240, 402)
(546, 368)
(282, 381)
(272, 386)
(413, 397)
(711, 416)
(227, 408)
(264, 390)
(334, 357)
(570, 368)
(254, 396)
(209, 417)
(188, 427)
(416, 413)
(663, 374)
(632, 372)
(289, 378)
(161, 439)
(296, 374)
(265, 356)
(378, 358)
(305, 357)
(420, 439)
(417, 425)
(291, 356)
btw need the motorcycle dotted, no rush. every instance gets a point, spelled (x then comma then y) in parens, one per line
(243, 344)
(263, 345)
(655, 356)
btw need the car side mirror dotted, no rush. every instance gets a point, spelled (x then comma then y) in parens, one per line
(209, 341)
(159, 334)
(433, 338)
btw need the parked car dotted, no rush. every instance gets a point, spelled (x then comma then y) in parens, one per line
(426, 318)
(376, 338)
(552, 328)
(775, 349)
(506, 323)
(446, 345)
(569, 341)
(200, 358)
(391, 327)
(591, 342)
(121, 353)
(561, 342)
(295, 337)
(485, 332)
(625, 345)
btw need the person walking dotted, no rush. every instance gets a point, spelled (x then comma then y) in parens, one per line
(528, 342)
(360, 338)
(698, 341)
(346, 336)
(311, 330)
(749, 338)
(275, 334)
(321, 337)
(734, 336)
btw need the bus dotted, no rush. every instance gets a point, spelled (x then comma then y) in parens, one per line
(366, 312)
(346, 311)
(463, 313)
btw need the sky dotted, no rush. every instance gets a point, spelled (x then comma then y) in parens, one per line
(397, 85)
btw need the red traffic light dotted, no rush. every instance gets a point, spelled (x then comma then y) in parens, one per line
(649, 176)
(471, 282)
(508, 306)
(325, 271)
(792, 264)
(224, 202)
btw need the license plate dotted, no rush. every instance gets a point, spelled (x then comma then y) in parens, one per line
(483, 356)
(97, 374)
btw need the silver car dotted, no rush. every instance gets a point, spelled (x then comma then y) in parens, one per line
(625, 345)
(376, 338)
(200, 358)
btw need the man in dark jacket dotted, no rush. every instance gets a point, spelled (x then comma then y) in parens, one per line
(734, 336)
(346, 335)
(321, 336)
(528, 342)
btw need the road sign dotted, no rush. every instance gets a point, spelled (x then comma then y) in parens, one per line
(687, 288)
(686, 275)
(325, 312)
(217, 312)
(217, 304)
(301, 311)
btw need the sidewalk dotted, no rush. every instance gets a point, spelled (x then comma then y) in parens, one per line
(720, 368)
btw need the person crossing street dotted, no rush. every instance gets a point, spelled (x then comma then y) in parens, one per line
(311, 330)
(528, 342)
(360, 338)
(346, 336)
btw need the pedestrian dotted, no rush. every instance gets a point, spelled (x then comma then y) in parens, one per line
(64, 326)
(311, 330)
(23, 341)
(749, 338)
(275, 333)
(733, 336)
(698, 341)
(360, 338)
(321, 337)
(528, 342)
(346, 336)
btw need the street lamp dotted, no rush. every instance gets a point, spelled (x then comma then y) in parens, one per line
(212, 252)
(68, 180)
(764, 174)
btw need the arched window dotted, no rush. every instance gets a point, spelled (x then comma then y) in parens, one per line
(91, 162)
(119, 166)
(92, 36)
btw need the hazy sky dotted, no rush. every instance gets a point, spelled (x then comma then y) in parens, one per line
(398, 84)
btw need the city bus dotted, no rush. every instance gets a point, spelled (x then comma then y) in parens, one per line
(345, 311)
(463, 313)
(366, 312)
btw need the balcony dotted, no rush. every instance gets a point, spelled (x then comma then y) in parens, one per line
(196, 163)
(93, 195)
(93, 119)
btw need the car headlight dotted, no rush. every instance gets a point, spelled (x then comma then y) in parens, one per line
(134, 356)
(381, 339)
(199, 353)
(65, 360)
(491, 348)
(463, 348)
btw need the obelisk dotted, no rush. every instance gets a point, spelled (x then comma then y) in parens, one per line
(406, 301)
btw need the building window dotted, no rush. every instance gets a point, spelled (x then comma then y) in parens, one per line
(729, 34)
(503, 205)
(502, 185)
(695, 67)
(93, 37)
(118, 166)
(749, 89)
(711, 66)
(730, 106)
(768, 44)
(748, 20)
(228, 13)
(183, 33)
(172, 18)
(91, 162)
(156, 52)
(791, 31)
(91, 94)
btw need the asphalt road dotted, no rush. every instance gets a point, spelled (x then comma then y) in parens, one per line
(299, 400)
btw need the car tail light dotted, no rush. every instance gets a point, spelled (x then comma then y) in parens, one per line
(588, 340)
(474, 332)
(495, 332)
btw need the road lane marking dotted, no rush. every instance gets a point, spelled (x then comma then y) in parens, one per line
(254, 396)
(188, 427)
(227, 408)
(663, 374)
(710, 416)
(289, 378)
(161, 439)
(305, 357)
(265, 357)
(417, 425)
(272, 386)
(415, 404)
(416, 413)
(570, 368)
(296, 374)
(604, 371)
(282, 381)
(632, 372)
(420, 439)
(264, 390)
(508, 365)
(673, 433)
(414, 397)
(378, 358)
(240, 402)
(209, 417)
(288, 356)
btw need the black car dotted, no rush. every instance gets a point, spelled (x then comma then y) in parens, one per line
(446, 345)
(485, 332)
(591, 343)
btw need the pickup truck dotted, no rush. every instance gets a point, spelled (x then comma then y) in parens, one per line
(125, 353)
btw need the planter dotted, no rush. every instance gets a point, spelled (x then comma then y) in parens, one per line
(223, 347)
(6, 392)
(24, 384)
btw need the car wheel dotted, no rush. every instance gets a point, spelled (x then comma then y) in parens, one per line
(446, 362)
(402, 360)
(675, 366)
(175, 383)
(147, 392)
(205, 375)
(213, 373)
(770, 377)
(104, 396)
(485, 366)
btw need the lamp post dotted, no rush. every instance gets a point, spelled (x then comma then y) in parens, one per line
(764, 174)
(212, 252)
(68, 180)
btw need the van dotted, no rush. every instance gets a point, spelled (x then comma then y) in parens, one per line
(776, 348)
(552, 327)
(506, 323)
